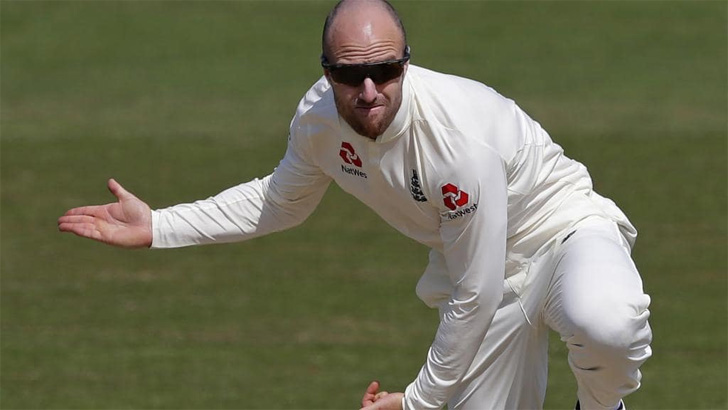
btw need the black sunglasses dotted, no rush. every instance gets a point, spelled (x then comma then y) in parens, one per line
(379, 72)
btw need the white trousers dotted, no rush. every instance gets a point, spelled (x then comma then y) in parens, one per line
(589, 291)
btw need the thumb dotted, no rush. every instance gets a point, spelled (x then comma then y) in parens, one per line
(118, 190)
(370, 395)
(373, 387)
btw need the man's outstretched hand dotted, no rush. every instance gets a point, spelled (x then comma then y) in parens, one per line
(126, 223)
(380, 400)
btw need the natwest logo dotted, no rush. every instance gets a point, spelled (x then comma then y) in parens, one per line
(348, 154)
(456, 200)
(453, 197)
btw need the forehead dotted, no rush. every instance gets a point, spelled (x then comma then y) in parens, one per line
(364, 27)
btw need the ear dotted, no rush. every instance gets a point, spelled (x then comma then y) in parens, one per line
(327, 74)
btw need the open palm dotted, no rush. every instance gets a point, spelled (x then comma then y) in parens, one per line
(126, 223)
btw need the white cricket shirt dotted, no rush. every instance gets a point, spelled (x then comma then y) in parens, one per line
(461, 169)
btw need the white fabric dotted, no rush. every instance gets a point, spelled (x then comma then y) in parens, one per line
(589, 291)
(461, 169)
(597, 304)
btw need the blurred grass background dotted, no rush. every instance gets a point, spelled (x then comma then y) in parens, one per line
(179, 100)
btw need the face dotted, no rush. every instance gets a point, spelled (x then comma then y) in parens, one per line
(369, 108)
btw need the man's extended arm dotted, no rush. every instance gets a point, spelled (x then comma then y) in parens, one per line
(279, 201)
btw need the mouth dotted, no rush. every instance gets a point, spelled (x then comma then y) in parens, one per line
(369, 108)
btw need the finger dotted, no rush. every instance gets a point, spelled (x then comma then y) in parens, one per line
(118, 190)
(92, 210)
(75, 219)
(83, 230)
(368, 398)
(380, 395)
(373, 387)
(392, 401)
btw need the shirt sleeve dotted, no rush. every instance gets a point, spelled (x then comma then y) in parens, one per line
(276, 202)
(473, 232)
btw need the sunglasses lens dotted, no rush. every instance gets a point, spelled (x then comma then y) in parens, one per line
(349, 75)
(379, 73)
(385, 72)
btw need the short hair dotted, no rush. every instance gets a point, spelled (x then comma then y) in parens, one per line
(332, 15)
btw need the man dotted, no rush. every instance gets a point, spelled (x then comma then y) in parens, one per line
(520, 241)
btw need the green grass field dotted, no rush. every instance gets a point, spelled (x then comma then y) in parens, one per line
(179, 100)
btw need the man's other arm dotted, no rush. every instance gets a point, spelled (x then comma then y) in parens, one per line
(474, 240)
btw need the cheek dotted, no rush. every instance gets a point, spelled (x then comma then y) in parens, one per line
(391, 91)
(344, 93)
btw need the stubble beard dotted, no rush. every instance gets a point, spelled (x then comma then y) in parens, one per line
(368, 127)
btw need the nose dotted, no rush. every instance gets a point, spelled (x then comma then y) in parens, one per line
(368, 92)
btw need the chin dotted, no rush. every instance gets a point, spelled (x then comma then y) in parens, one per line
(367, 130)
(368, 133)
